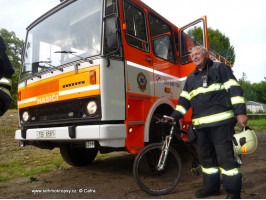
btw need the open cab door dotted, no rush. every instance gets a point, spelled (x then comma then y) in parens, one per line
(193, 34)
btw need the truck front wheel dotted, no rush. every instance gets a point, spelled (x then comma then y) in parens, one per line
(76, 156)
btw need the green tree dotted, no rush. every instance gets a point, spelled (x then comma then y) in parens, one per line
(253, 92)
(13, 45)
(260, 91)
(218, 42)
(221, 44)
(247, 88)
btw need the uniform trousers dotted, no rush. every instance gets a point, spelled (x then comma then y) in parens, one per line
(216, 154)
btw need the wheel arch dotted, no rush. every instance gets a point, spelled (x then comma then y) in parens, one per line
(161, 106)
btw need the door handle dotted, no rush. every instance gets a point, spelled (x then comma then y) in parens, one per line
(148, 59)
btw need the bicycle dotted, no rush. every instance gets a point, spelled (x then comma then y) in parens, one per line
(157, 168)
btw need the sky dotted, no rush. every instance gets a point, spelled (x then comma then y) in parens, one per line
(243, 21)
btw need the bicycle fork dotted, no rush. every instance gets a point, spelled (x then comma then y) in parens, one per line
(165, 150)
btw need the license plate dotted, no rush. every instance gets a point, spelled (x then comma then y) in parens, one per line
(46, 134)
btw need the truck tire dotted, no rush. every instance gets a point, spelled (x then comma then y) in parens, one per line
(77, 157)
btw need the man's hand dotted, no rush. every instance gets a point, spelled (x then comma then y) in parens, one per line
(175, 115)
(242, 119)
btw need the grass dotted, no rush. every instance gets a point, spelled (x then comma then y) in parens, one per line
(16, 161)
(30, 164)
(255, 124)
(21, 162)
(29, 161)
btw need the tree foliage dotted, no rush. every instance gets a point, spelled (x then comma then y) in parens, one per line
(13, 45)
(218, 42)
(253, 92)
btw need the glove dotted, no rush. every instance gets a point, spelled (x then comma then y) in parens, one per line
(176, 115)
(191, 134)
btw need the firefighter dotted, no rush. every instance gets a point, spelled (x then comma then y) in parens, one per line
(6, 71)
(217, 101)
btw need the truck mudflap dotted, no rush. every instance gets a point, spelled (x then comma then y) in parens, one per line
(108, 135)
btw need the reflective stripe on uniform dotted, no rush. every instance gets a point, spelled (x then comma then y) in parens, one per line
(230, 172)
(212, 170)
(238, 99)
(230, 83)
(185, 95)
(6, 81)
(201, 90)
(213, 118)
(181, 109)
(5, 91)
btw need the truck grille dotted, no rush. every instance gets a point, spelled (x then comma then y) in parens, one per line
(60, 111)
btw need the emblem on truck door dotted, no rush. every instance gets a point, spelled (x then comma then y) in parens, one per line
(142, 81)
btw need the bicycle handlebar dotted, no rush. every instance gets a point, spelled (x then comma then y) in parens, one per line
(170, 120)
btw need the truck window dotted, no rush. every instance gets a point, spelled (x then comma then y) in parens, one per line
(161, 35)
(76, 28)
(136, 32)
(192, 35)
(110, 7)
(112, 35)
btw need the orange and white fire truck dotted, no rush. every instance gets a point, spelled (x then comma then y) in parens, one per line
(95, 72)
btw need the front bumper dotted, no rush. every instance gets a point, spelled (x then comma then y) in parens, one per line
(108, 135)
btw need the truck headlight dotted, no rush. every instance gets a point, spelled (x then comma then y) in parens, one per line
(92, 107)
(25, 116)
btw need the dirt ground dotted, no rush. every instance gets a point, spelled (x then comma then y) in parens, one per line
(112, 178)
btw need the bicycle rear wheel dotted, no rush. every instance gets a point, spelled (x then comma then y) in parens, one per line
(149, 178)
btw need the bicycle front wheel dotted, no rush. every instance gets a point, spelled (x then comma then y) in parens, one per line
(147, 175)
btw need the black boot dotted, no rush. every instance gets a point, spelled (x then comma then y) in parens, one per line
(233, 196)
(202, 193)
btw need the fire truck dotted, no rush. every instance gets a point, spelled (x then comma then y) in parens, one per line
(95, 73)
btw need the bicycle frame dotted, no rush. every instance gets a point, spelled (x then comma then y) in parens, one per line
(166, 145)
(165, 150)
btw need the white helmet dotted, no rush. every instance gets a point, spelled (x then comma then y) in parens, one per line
(245, 142)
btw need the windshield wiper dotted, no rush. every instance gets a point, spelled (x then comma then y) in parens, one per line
(36, 74)
(45, 61)
(74, 54)
(48, 62)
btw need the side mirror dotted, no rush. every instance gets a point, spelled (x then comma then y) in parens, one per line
(22, 50)
(111, 32)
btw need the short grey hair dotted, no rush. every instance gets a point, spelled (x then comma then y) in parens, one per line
(201, 48)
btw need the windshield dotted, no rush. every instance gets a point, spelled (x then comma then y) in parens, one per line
(65, 36)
